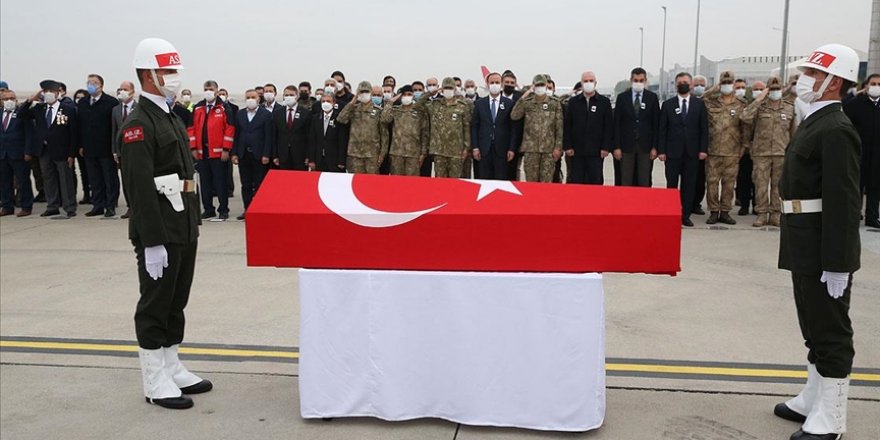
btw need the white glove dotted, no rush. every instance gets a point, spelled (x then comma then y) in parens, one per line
(156, 258)
(836, 282)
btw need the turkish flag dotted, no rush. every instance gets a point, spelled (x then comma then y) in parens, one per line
(346, 221)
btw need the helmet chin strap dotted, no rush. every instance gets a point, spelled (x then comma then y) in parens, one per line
(156, 80)
(824, 85)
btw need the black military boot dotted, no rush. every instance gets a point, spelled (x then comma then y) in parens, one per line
(726, 219)
(713, 218)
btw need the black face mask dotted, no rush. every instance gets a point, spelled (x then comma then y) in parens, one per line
(509, 90)
(683, 88)
(303, 95)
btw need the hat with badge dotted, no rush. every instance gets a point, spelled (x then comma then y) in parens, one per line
(448, 83)
(774, 82)
(364, 86)
(539, 79)
(48, 84)
(405, 89)
(726, 76)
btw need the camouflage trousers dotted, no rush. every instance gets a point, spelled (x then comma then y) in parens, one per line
(765, 175)
(467, 166)
(721, 170)
(447, 166)
(539, 167)
(363, 165)
(404, 166)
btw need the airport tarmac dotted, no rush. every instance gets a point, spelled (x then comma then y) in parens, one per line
(704, 355)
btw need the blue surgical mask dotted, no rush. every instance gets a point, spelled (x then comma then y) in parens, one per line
(417, 95)
(91, 88)
(377, 100)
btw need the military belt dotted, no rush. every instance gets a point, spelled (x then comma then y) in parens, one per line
(801, 206)
(189, 186)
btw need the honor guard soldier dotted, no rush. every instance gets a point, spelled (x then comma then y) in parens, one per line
(164, 225)
(819, 242)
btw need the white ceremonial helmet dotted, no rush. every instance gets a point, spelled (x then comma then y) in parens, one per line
(156, 53)
(834, 59)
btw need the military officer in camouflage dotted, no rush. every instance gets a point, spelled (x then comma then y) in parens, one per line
(726, 147)
(409, 135)
(449, 128)
(158, 171)
(772, 122)
(542, 130)
(368, 138)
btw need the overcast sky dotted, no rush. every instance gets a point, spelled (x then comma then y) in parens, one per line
(242, 43)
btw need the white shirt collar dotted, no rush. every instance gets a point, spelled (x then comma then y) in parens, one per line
(95, 98)
(158, 100)
(816, 106)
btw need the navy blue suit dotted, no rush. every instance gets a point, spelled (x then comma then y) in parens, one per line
(252, 142)
(682, 139)
(95, 122)
(54, 143)
(15, 142)
(494, 138)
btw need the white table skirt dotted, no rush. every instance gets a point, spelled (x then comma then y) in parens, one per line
(498, 349)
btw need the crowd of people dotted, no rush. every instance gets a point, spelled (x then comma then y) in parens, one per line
(724, 143)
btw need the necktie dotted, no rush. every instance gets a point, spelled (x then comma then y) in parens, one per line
(326, 122)
(494, 110)
(684, 108)
(6, 118)
(94, 101)
(49, 116)
(289, 118)
(124, 112)
(637, 104)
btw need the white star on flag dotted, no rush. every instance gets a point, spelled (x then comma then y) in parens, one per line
(489, 186)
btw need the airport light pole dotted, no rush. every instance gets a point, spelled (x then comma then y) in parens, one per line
(663, 58)
(697, 39)
(642, 51)
(783, 59)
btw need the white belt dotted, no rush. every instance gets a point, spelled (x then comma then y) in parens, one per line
(801, 206)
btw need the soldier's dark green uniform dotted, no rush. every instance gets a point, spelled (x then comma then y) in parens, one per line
(154, 143)
(822, 162)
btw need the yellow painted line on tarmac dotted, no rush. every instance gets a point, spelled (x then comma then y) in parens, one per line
(724, 371)
(86, 347)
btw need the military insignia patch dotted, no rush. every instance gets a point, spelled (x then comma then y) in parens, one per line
(133, 134)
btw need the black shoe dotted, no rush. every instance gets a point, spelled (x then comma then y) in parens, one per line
(4, 213)
(241, 217)
(726, 219)
(40, 198)
(110, 212)
(71, 214)
(698, 211)
(208, 214)
(85, 201)
(744, 210)
(224, 216)
(95, 213)
(872, 223)
(713, 218)
(127, 214)
(801, 435)
(687, 222)
(50, 213)
(782, 411)
(182, 402)
(202, 387)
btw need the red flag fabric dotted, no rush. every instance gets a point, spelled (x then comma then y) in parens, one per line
(346, 221)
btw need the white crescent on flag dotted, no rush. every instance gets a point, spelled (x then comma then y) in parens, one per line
(337, 193)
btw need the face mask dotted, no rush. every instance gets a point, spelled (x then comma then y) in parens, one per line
(377, 100)
(326, 106)
(805, 91)
(406, 100)
(459, 92)
(540, 91)
(9, 105)
(269, 96)
(91, 88)
(756, 92)
(417, 94)
(289, 100)
(50, 98)
(775, 95)
(303, 95)
(588, 86)
(123, 95)
(364, 97)
(638, 87)
(448, 93)
(726, 89)
(251, 103)
(550, 92)
(172, 83)
(874, 91)
(209, 95)
(340, 86)
(186, 99)
(432, 88)
(698, 90)
(494, 89)
(330, 90)
(684, 88)
(508, 90)
(470, 91)
(387, 96)
(740, 92)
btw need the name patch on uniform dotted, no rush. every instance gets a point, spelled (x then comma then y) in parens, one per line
(133, 134)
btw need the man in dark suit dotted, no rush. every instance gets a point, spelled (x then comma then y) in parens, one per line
(95, 122)
(55, 134)
(864, 112)
(588, 133)
(127, 104)
(683, 142)
(492, 136)
(252, 147)
(328, 140)
(636, 117)
(290, 126)
(15, 142)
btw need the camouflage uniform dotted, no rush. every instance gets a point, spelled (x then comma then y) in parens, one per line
(409, 138)
(542, 133)
(773, 123)
(726, 141)
(449, 131)
(368, 139)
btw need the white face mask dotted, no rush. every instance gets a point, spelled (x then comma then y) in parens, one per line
(186, 99)
(326, 106)
(223, 98)
(588, 86)
(756, 93)
(330, 90)
(775, 95)
(387, 96)
(364, 97)
(9, 105)
(340, 86)
(805, 86)
(540, 91)
(123, 95)
(448, 93)
(50, 98)
(494, 89)
(251, 103)
(406, 100)
(638, 87)
(699, 90)
(290, 101)
(270, 97)
(172, 84)
(874, 91)
(726, 89)
(210, 95)
(740, 92)
(550, 92)
(470, 91)
(432, 88)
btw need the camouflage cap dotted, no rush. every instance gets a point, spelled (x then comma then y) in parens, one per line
(726, 76)
(774, 82)
(539, 79)
(364, 86)
(448, 83)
